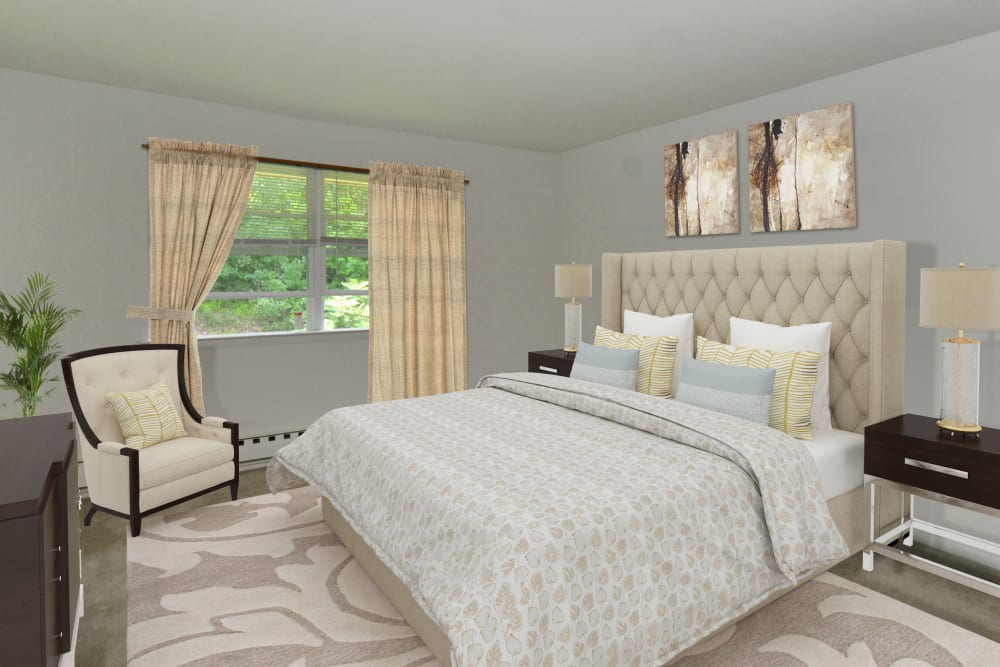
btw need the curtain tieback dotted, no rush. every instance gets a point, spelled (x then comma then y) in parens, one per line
(174, 314)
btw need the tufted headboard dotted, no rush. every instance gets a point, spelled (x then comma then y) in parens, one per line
(859, 287)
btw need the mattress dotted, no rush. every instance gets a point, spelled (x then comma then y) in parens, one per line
(840, 458)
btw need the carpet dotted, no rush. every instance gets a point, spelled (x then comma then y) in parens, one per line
(263, 581)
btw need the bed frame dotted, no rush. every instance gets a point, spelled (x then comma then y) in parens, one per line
(858, 287)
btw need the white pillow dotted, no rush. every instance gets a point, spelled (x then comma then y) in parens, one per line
(815, 337)
(680, 327)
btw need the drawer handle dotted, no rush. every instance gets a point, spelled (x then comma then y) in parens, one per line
(59, 636)
(954, 472)
(548, 369)
(57, 549)
(56, 580)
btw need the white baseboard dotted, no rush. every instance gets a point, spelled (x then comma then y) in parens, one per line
(251, 452)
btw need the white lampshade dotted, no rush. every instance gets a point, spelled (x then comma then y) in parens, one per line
(573, 280)
(960, 298)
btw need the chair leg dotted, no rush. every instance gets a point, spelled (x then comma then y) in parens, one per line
(135, 523)
(90, 515)
(234, 488)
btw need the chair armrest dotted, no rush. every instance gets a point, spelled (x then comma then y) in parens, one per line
(110, 447)
(214, 428)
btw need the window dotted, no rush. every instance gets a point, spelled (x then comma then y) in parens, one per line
(300, 258)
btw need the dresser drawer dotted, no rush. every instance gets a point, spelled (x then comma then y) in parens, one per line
(52, 580)
(936, 467)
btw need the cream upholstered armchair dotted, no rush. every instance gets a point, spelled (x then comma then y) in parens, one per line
(133, 483)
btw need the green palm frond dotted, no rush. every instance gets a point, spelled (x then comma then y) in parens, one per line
(29, 322)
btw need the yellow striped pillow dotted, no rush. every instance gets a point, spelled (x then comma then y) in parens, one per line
(146, 417)
(656, 358)
(794, 381)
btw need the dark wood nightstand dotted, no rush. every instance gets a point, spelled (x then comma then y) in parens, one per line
(553, 362)
(909, 454)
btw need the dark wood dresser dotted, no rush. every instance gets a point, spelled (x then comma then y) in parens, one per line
(39, 539)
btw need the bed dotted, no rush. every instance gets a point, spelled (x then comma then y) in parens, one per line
(857, 287)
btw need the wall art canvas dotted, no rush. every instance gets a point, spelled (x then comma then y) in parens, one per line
(701, 186)
(802, 171)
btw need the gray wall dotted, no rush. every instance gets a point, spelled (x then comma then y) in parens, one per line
(926, 144)
(74, 204)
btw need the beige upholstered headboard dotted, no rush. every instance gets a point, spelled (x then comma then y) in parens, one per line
(859, 287)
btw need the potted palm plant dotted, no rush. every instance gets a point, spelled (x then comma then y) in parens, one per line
(29, 322)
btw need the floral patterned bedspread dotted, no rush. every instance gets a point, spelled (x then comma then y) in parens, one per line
(550, 521)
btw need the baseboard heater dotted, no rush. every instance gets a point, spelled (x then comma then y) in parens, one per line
(263, 447)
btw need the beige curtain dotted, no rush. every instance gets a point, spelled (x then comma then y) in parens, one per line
(416, 281)
(197, 195)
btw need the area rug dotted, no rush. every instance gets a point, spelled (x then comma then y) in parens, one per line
(263, 581)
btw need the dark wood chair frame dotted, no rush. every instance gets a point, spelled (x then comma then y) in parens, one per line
(135, 516)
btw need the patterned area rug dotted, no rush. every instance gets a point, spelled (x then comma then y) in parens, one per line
(263, 581)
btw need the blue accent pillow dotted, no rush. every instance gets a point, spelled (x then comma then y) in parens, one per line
(734, 390)
(605, 365)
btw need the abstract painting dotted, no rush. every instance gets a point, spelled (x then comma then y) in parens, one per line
(701, 186)
(802, 171)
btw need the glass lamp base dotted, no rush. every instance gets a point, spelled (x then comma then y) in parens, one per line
(959, 386)
(573, 331)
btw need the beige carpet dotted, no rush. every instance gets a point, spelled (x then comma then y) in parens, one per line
(262, 581)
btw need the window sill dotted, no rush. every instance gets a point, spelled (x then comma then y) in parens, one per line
(279, 337)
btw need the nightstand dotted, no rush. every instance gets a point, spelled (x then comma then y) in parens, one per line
(910, 455)
(553, 362)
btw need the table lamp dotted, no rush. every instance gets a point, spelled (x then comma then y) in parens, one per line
(960, 298)
(573, 281)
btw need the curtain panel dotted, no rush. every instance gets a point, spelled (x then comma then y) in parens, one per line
(197, 195)
(416, 281)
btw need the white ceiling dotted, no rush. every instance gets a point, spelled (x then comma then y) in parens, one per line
(541, 74)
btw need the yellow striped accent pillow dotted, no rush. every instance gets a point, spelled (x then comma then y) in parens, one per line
(794, 381)
(146, 417)
(655, 373)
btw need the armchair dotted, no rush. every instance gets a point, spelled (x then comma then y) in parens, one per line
(133, 483)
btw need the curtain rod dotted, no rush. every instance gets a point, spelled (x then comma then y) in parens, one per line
(314, 165)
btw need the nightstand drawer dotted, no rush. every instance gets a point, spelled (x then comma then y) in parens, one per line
(551, 362)
(937, 467)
